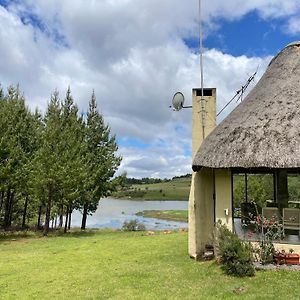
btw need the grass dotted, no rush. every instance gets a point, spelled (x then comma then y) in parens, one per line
(172, 215)
(125, 265)
(176, 189)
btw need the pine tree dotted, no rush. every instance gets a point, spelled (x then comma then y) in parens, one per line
(52, 164)
(16, 150)
(101, 161)
(73, 137)
(48, 166)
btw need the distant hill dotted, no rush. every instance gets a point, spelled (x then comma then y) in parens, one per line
(150, 180)
(177, 188)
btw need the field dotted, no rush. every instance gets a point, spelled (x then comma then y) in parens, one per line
(125, 265)
(172, 215)
(177, 189)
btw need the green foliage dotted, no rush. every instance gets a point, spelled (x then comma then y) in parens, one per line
(268, 231)
(135, 194)
(18, 143)
(145, 180)
(260, 189)
(294, 187)
(133, 225)
(100, 161)
(53, 163)
(235, 254)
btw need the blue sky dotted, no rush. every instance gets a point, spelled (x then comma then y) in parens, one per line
(251, 35)
(136, 55)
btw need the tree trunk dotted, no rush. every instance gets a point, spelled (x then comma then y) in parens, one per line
(55, 224)
(61, 217)
(2, 200)
(84, 217)
(39, 218)
(7, 209)
(66, 221)
(48, 210)
(25, 212)
(11, 205)
(70, 218)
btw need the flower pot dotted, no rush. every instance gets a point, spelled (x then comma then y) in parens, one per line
(289, 259)
(292, 259)
(279, 258)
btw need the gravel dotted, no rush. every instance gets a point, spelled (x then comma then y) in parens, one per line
(274, 267)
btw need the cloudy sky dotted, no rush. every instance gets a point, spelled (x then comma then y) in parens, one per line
(136, 54)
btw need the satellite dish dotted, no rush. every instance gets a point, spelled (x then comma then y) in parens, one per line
(178, 101)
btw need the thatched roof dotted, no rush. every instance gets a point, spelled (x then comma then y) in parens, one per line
(264, 130)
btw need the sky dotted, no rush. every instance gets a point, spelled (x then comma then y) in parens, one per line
(136, 54)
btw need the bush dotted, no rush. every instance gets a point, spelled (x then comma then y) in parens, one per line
(268, 230)
(133, 225)
(235, 255)
(135, 193)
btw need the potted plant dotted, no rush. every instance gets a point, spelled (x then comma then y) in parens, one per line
(290, 258)
(268, 230)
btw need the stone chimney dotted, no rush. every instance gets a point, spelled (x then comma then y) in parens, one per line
(201, 202)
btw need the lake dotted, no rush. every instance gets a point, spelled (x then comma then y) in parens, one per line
(112, 213)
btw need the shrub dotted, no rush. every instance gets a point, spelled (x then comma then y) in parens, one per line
(133, 225)
(135, 193)
(268, 230)
(235, 255)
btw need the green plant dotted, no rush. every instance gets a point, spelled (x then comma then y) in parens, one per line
(268, 230)
(133, 225)
(235, 255)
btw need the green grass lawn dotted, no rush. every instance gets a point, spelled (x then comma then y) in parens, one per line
(177, 189)
(173, 215)
(125, 265)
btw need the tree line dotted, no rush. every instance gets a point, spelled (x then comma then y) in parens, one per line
(52, 163)
(260, 188)
(151, 180)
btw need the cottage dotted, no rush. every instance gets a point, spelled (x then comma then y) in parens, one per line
(262, 135)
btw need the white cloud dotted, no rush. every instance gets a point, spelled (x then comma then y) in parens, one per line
(293, 26)
(132, 53)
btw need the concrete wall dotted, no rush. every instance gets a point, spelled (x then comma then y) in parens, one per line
(201, 212)
(223, 194)
(201, 202)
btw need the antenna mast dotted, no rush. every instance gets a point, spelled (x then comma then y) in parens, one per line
(202, 101)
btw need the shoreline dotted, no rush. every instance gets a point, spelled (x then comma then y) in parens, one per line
(169, 215)
(143, 199)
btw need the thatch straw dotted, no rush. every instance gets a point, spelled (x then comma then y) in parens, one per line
(264, 130)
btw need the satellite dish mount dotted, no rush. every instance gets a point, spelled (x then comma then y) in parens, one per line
(178, 102)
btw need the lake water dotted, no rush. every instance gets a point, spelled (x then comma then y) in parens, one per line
(112, 213)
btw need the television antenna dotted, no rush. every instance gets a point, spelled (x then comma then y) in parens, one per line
(239, 93)
(178, 98)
